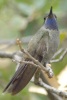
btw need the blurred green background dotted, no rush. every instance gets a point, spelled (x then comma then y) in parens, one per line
(20, 18)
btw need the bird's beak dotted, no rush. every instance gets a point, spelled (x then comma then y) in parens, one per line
(50, 13)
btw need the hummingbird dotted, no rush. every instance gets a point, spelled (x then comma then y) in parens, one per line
(42, 47)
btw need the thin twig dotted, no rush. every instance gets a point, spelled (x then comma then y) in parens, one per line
(31, 63)
(61, 57)
(57, 53)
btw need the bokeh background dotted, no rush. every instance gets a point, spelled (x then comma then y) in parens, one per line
(20, 19)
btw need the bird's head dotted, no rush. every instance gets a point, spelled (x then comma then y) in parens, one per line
(51, 21)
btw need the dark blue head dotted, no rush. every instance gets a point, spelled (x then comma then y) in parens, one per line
(50, 21)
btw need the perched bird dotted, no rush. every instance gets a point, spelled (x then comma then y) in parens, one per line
(42, 46)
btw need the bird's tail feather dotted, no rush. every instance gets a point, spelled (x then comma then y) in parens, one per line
(20, 79)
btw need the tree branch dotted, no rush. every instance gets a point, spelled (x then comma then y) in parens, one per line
(51, 89)
(60, 58)
(57, 53)
(6, 55)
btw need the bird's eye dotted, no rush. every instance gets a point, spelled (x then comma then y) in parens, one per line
(44, 18)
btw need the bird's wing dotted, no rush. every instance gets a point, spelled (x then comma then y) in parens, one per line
(43, 46)
(38, 44)
(20, 79)
(42, 49)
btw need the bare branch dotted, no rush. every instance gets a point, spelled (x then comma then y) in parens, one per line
(6, 55)
(51, 89)
(15, 56)
(61, 57)
(57, 53)
(31, 63)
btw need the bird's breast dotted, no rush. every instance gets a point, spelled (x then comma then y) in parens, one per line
(53, 42)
